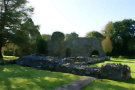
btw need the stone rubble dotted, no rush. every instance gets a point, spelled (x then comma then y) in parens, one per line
(109, 71)
(68, 65)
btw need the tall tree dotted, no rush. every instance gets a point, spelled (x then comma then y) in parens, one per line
(13, 13)
(41, 45)
(46, 37)
(107, 28)
(107, 45)
(121, 33)
(31, 32)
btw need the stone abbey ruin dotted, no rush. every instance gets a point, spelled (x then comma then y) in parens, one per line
(75, 56)
(74, 47)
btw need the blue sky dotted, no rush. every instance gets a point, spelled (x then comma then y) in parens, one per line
(80, 16)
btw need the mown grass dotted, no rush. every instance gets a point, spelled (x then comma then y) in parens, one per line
(15, 77)
(9, 58)
(105, 84)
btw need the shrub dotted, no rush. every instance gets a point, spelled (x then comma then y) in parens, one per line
(41, 45)
(107, 45)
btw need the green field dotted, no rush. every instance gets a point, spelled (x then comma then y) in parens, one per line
(8, 58)
(15, 77)
(105, 84)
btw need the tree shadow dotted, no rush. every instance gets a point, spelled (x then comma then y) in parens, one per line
(5, 81)
(27, 78)
(130, 81)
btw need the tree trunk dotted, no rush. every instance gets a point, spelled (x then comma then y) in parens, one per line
(1, 52)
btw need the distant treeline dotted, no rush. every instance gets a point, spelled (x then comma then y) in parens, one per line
(117, 38)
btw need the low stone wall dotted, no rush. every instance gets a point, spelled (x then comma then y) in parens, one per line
(7, 62)
(108, 71)
(84, 60)
(115, 71)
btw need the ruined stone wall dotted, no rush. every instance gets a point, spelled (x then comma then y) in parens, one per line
(55, 44)
(73, 47)
(108, 71)
(84, 60)
(82, 47)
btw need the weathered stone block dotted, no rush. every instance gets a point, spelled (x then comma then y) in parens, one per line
(108, 71)
(115, 71)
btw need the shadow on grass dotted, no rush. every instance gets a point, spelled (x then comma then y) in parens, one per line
(15, 77)
(131, 81)
(6, 83)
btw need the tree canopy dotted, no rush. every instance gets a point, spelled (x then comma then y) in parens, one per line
(107, 45)
(46, 37)
(71, 36)
(121, 33)
(95, 34)
(13, 15)
(107, 28)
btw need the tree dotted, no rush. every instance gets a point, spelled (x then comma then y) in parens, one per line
(107, 28)
(95, 34)
(71, 36)
(13, 13)
(121, 33)
(9, 49)
(107, 45)
(46, 37)
(131, 47)
(29, 33)
(41, 45)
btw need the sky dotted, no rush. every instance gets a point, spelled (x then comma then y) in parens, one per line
(80, 16)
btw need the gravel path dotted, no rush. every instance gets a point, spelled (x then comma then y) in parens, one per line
(77, 84)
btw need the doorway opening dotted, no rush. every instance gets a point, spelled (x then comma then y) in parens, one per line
(68, 52)
(94, 53)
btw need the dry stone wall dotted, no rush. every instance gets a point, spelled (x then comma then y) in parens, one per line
(73, 47)
(82, 47)
(108, 71)
(7, 62)
(84, 60)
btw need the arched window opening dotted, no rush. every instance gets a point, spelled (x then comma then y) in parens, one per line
(94, 53)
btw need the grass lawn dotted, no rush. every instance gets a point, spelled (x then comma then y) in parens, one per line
(9, 58)
(105, 84)
(15, 77)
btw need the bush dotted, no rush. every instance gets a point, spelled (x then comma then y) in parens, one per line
(41, 45)
(107, 45)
